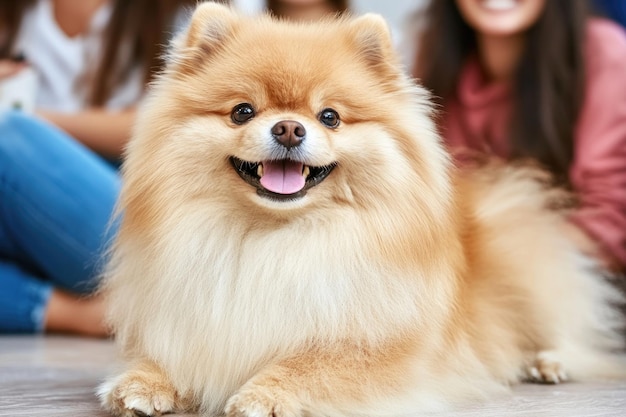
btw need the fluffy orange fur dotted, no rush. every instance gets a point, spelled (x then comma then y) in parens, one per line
(395, 285)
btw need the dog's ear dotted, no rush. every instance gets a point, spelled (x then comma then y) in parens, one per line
(210, 25)
(372, 38)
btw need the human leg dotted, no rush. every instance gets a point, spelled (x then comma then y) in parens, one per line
(56, 200)
(32, 305)
(23, 300)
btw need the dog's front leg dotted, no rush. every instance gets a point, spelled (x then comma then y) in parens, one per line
(324, 382)
(143, 390)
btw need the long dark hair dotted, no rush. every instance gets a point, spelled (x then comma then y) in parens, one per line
(340, 6)
(143, 24)
(548, 85)
(11, 13)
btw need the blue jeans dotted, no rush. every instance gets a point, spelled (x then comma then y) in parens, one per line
(56, 201)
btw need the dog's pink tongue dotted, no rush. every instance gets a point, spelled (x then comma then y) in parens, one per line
(282, 177)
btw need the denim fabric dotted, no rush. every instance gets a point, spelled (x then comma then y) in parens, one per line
(23, 299)
(56, 200)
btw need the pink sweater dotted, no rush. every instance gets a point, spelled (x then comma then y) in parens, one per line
(477, 119)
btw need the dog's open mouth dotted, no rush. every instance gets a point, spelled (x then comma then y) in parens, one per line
(283, 179)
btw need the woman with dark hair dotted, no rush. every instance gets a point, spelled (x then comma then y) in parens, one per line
(537, 80)
(93, 59)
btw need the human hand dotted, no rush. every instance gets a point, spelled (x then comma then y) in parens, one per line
(9, 68)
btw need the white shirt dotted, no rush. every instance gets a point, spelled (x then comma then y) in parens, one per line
(65, 65)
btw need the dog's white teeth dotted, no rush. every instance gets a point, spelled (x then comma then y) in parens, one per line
(306, 171)
(259, 170)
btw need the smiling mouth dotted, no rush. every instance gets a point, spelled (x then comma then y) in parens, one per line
(283, 179)
(499, 5)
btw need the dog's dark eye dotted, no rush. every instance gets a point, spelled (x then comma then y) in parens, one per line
(329, 118)
(242, 113)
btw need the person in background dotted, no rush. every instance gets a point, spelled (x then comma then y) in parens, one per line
(537, 80)
(303, 10)
(93, 59)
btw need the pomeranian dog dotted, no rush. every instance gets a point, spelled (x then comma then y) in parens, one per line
(295, 241)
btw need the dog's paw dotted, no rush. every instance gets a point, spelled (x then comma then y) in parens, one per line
(546, 369)
(258, 401)
(137, 394)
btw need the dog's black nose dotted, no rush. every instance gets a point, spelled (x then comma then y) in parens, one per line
(289, 133)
